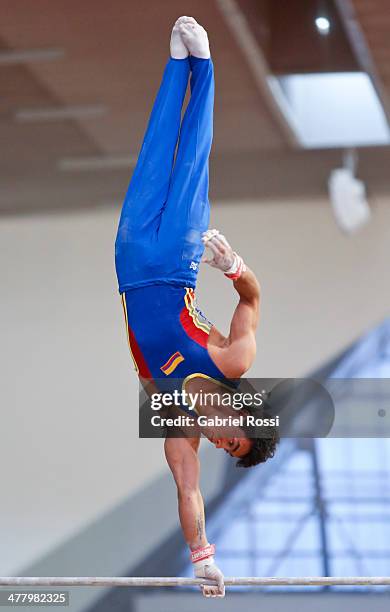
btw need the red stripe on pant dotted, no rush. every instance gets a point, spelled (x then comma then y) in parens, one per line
(196, 334)
(143, 369)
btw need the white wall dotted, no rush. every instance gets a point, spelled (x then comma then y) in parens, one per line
(320, 288)
(69, 448)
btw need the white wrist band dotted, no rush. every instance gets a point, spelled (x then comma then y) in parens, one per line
(236, 269)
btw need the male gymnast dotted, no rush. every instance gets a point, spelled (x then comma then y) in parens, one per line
(162, 234)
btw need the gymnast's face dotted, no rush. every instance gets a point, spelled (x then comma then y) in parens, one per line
(235, 447)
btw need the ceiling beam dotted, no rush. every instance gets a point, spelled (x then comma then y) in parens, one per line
(362, 51)
(267, 85)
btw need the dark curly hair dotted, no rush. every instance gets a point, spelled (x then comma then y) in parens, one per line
(263, 447)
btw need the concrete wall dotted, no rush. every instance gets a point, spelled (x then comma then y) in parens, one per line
(68, 393)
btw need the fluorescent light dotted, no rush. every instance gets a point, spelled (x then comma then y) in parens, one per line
(60, 113)
(22, 56)
(323, 25)
(336, 110)
(82, 164)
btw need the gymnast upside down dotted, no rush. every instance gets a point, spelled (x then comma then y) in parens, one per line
(162, 234)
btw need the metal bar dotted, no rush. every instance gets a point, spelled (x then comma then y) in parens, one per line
(320, 503)
(302, 554)
(293, 535)
(351, 548)
(329, 500)
(286, 518)
(100, 581)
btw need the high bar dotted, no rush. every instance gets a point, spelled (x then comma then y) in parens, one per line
(100, 581)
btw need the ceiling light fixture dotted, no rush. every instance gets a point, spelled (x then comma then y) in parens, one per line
(348, 195)
(323, 25)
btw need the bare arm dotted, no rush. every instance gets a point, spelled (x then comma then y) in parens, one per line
(241, 342)
(246, 316)
(238, 350)
(182, 458)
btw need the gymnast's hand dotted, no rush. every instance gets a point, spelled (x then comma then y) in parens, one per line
(223, 256)
(210, 571)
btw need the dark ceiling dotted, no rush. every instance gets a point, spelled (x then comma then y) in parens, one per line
(113, 56)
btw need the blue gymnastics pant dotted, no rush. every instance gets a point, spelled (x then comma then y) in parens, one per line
(166, 207)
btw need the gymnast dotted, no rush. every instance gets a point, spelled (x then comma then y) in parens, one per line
(162, 235)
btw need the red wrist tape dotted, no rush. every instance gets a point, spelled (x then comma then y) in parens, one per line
(241, 268)
(202, 553)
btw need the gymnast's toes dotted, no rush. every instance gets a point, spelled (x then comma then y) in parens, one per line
(185, 19)
(177, 47)
(196, 39)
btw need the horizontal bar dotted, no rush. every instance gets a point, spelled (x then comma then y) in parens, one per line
(101, 581)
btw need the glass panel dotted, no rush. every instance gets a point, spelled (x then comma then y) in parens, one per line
(277, 529)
